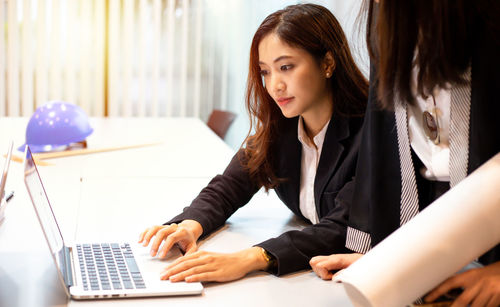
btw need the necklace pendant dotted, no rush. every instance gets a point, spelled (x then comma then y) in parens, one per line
(431, 127)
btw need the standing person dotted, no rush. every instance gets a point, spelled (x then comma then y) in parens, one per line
(306, 100)
(432, 119)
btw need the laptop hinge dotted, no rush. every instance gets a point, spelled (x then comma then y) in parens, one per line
(68, 271)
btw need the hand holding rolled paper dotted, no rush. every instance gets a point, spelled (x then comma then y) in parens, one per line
(451, 232)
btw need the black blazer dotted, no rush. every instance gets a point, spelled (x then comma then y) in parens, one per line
(228, 192)
(375, 207)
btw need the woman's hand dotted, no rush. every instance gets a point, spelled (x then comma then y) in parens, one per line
(184, 234)
(324, 265)
(481, 287)
(209, 266)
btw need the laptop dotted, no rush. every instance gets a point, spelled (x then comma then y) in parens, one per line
(3, 200)
(96, 270)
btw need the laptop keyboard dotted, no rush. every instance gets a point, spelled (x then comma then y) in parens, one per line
(108, 266)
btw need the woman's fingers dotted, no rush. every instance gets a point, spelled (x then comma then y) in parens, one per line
(322, 272)
(148, 234)
(144, 234)
(206, 276)
(185, 263)
(183, 237)
(324, 265)
(184, 234)
(479, 298)
(168, 244)
(141, 236)
(191, 248)
(208, 266)
(188, 269)
(494, 301)
(171, 234)
(162, 234)
(447, 285)
(487, 292)
(183, 259)
(318, 265)
(317, 259)
(464, 299)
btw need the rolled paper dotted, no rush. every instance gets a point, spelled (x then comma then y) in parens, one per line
(451, 232)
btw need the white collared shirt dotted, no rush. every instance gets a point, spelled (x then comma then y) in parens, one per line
(434, 157)
(308, 167)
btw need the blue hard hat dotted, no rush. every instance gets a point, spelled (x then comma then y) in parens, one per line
(56, 125)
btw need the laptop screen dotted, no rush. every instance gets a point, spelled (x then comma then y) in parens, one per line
(43, 209)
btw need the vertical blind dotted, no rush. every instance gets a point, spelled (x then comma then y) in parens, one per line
(113, 57)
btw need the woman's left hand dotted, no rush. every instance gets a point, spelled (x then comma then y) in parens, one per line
(481, 287)
(209, 266)
(324, 265)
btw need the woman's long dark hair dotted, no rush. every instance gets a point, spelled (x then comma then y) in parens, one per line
(436, 36)
(314, 29)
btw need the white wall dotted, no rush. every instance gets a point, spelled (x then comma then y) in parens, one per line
(165, 57)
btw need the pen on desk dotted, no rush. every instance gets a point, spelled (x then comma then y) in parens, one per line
(9, 197)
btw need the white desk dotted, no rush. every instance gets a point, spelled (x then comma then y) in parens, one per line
(141, 187)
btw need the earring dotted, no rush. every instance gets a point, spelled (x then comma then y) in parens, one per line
(328, 74)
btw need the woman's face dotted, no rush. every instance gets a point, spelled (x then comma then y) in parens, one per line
(292, 77)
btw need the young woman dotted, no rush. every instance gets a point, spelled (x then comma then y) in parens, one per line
(306, 99)
(432, 119)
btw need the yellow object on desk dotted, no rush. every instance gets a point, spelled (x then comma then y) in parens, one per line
(86, 151)
(68, 153)
(16, 158)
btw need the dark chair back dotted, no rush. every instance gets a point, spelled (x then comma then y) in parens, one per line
(220, 121)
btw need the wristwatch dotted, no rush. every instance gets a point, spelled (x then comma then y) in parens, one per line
(270, 259)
